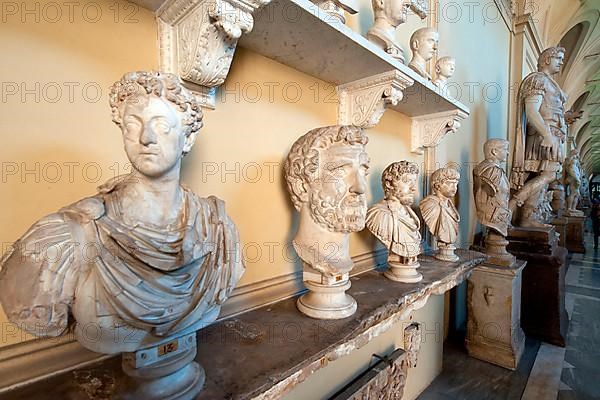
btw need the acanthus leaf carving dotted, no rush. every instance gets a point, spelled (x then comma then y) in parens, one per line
(198, 38)
(363, 102)
(429, 130)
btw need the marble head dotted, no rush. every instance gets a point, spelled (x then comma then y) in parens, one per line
(496, 150)
(445, 66)
(326, 172)
(158, 117)
(551, 60)
(399, 181)
(444, 182)
(424, 42)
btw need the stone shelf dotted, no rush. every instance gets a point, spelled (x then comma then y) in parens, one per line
(299, 34)
(264, 353)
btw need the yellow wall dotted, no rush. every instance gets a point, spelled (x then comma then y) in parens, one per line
(239, 153)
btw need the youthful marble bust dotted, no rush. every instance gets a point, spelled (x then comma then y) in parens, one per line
(444, 67)
(144, 259)
(389, 14)
(424, 44)
(326, 177)
(395, 224)
(440, 214)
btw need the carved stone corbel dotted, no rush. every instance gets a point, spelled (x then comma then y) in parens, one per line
(197, 40)
(412, 343)
(429, 130)
(363, 102)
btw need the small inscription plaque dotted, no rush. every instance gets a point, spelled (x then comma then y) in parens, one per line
(168, 348)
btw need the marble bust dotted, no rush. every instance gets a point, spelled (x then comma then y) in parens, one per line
(444, 67)
(389, 14)
(424, 44)
(326, 173)
(145, 261)
(572, 183)
(395, 224)
(540, 135)
(491, 190)
(440, 214)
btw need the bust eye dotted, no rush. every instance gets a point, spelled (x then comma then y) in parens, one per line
(132, 126)
(161, 126)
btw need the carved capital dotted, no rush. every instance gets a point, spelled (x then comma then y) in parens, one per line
(197, 39)
(429, 130)
(363, 102)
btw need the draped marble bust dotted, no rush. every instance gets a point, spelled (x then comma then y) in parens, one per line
(440, 214)
(142, 260)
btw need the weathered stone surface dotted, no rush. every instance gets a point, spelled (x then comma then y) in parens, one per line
(384, 381)
(264, 353)
(574, 232)
(543, 313)
(494, 331)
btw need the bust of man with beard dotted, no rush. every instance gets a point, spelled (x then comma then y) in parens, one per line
(395, 224)
(326, 176)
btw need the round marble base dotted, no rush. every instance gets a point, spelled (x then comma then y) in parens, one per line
(327, 301)
(446, 252)
(174, 378)
(406, 273)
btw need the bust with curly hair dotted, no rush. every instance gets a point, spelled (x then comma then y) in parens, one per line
(440, 214)
(395, 224)
(145, 261)
(326, 173)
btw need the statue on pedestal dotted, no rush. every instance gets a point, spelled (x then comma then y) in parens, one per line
(440, 214)
(389, 14)
(540, 134)
(572, 183)
(492, 192)
(395, 224)
(444, 67)
(326, 173)
(145, 262)
(424, 44)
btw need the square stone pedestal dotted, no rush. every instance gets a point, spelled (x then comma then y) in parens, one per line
(574, 234)
(543, 313)
(560, 223)
(494, 331)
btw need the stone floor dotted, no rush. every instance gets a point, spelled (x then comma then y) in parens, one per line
(546, 372)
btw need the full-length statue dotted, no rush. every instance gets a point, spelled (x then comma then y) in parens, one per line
(572, 182)
(395, 224)
(389, 14)
(492, 192)
(326, 172)
(440, 214)
(145, 261)
(540, 134)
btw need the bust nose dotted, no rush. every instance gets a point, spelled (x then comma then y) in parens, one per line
(358, 184)
(147, 136)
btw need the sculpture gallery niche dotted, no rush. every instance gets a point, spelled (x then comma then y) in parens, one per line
(326, 173)
(145, 260)
(395, 224)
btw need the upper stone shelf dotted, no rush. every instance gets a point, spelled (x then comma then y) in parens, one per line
(301, 35)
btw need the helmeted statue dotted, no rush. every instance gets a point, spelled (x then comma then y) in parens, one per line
(540, 134)
(145, 261)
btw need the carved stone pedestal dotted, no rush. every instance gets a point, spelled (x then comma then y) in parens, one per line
(574, 233)
(543, 313)
(326, 297)
(400, 272)
(495, 248)
(494, 331)
(446, 252)
(560, 223)
(165, 372)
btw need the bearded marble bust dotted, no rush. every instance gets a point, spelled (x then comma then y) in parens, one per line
(143, 260)
(395, 224)
(326, 177)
